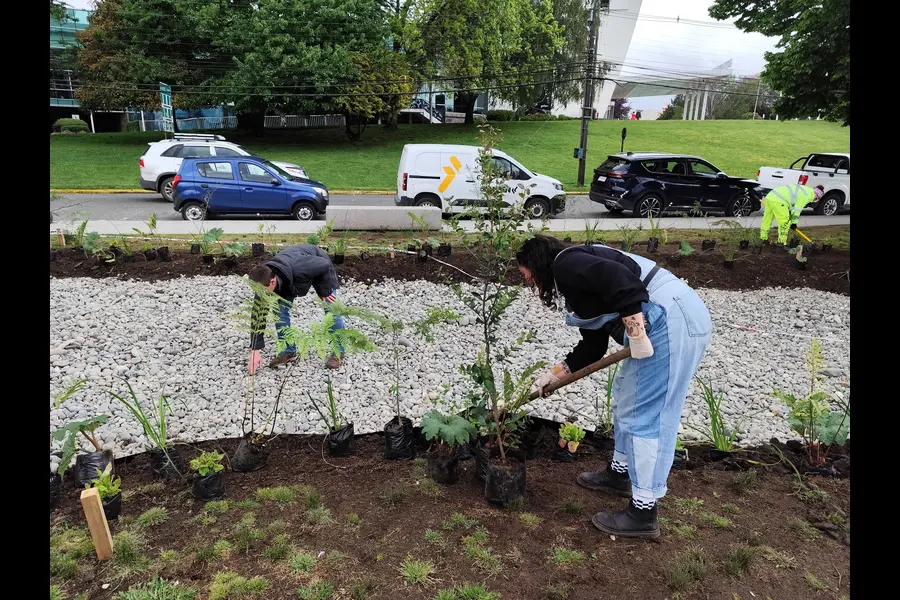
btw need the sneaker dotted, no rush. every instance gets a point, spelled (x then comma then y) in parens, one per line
(333, 362)
(283, 359)
(607, 481)
(631, 522)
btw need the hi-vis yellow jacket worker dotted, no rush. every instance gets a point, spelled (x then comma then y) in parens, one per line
(784, 204)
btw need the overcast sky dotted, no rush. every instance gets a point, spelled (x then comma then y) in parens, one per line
(661, 45)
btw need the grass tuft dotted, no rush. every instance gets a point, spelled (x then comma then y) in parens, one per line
(152, 517)
(416, 572)
(687, 570)
(564, 556)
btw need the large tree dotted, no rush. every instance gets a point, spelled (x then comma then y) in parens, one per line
(812, 67)
(736, 99)
(470, 46)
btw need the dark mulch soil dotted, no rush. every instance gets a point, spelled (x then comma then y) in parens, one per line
(765, 512)
(827, 271)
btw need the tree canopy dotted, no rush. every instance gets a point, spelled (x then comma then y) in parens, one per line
(812, 67)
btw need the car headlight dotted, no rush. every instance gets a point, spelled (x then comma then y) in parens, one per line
(558, 186)
(321, 191)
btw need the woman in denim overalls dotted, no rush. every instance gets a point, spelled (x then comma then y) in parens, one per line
(667, 327)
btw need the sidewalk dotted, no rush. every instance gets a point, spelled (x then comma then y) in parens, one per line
(287, 226)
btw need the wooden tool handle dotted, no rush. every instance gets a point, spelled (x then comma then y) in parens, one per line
(604, 362)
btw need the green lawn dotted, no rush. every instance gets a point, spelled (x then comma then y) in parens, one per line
(110, 161)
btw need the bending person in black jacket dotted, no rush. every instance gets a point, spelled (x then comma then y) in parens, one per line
(665, 323)
(290, 274)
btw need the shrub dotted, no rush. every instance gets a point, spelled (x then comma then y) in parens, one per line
(70, 126)
(538, 117)
(500, 115)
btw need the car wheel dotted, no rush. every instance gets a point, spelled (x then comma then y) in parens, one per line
(428, 202)
(739, 206)
(304, 211)
(650, 205)
(167, 189)
(829, 205)
(537, 208)
(193, 211)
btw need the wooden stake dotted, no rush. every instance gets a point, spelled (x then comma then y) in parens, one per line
(62, 238)
(391, 246)
(96, 518)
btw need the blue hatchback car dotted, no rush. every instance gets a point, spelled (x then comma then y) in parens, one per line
(244, 185)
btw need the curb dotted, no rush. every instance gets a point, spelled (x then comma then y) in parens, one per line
(142, 191)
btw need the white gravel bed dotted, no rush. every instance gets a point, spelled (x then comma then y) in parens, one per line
(176, 337)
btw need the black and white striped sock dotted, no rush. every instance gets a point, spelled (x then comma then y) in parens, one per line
(619, 467)
(643, 504)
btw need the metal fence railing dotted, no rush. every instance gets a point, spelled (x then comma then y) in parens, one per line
(303, 121)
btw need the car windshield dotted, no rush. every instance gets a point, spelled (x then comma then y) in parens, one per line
(279, 170)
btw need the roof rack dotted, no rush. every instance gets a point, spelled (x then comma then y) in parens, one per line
(199, 136)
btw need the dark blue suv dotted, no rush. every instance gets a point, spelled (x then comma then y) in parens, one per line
(247, 185)
(650, 183)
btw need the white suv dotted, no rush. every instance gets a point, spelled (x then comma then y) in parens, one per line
(161, 161)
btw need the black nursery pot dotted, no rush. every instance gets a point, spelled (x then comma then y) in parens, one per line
(826, 247)
(163, 254)
(728, 264)
(112, 507)
(717, 455)
(249, 456)
(793, 243)
(55, 490)
(443, 467)
(88, 465)
(364, 256)
(708, 244)
(800, 266)
(399, 442)
(338, 259)
(209, 487)
(340, 442)
(568, 239)
(117, 252)
(151, 254)
(653, 244)
(675, 260)
(169, 466)
(195, 248)
(505, 482)
(482, 458)
(208, 259)
(78, 252)
(681, 459)
(411, 248)
(444, 250)
(53, 255)
(744, 244)
(257, 249)
(623, 246)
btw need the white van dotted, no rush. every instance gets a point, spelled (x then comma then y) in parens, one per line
(445, 176)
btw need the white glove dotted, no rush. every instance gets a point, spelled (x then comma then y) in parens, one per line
(543, 381)
(640, 346)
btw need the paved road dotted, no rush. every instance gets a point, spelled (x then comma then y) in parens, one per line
(138, 207)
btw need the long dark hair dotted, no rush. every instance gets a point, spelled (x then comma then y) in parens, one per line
(537, 255)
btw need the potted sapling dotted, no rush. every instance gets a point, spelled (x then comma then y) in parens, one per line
(629, 237)
(827, 244)
(423, 243)
(800, 260)
(449, 432)
(656, 234)
(96, 248)
(681, 455)
(165, 460)
(591, 236)
(570, 435)
(732, 241)
(258, 315)
(684, 249)
(398, 432)
(86, 464)
(717, 432)
(337, 250)
(209, 482)
(209, 242)
(57, 477)
(339, 438)
(232, 252)
(110, 490)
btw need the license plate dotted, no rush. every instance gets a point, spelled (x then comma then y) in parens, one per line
(601, 177)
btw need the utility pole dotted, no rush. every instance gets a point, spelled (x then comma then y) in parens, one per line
(756, 103)
(587, 108)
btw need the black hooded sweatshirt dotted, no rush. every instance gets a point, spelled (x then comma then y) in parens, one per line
(597, 280)
(297, 269)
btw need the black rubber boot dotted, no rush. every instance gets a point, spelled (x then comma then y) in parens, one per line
(631, 522)
(607, 481)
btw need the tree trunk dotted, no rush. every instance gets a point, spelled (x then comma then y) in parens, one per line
(391, 119)
(464, 102)
(254, 122)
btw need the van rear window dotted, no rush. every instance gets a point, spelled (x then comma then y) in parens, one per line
(615, 165)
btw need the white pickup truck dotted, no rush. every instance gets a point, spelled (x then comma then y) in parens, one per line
(830, 170)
